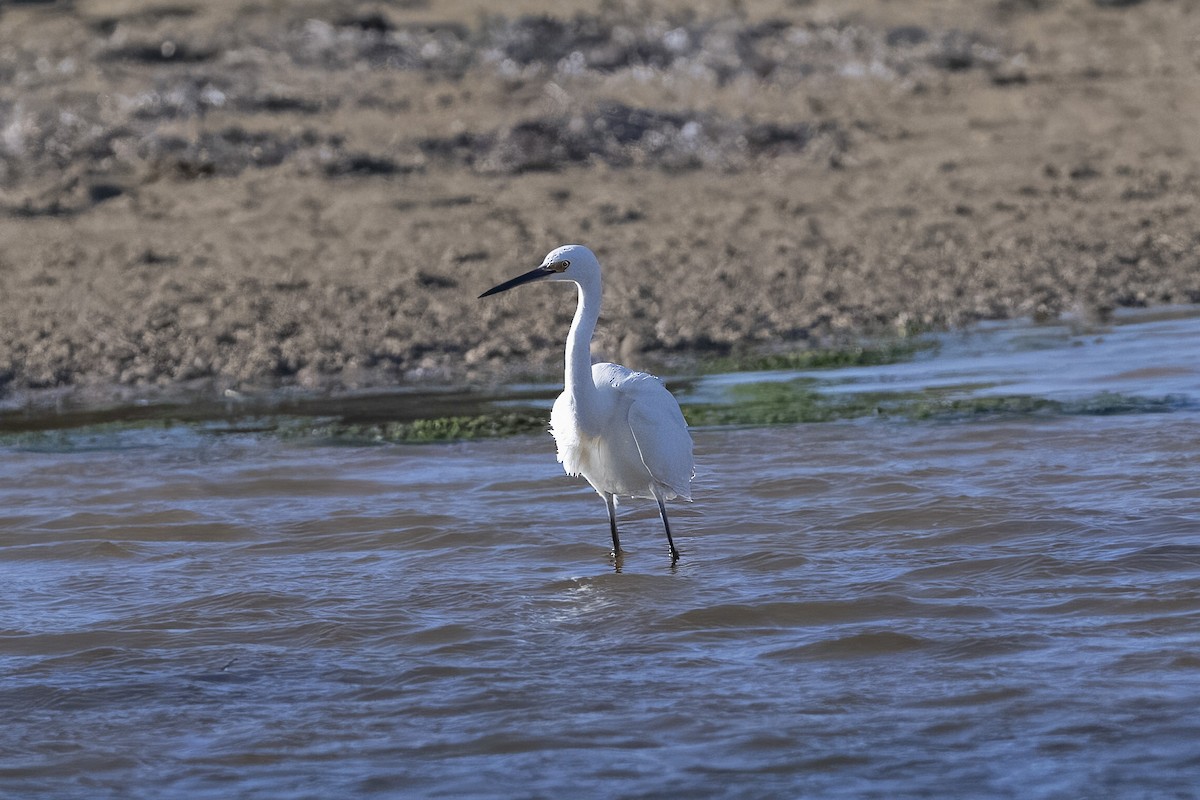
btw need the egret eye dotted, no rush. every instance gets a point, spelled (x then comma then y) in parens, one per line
(559, 266)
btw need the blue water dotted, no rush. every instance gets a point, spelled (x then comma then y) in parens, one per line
(1146, 353)
(1002, 607)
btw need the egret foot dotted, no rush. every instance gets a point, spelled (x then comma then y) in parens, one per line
(618, 561)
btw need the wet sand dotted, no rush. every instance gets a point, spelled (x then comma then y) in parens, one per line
(197, 198)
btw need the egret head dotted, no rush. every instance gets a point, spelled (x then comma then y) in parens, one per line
(571, 262)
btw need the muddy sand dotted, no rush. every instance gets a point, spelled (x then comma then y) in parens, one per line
(201, 197)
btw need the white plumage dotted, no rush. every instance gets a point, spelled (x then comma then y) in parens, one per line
(621, 430)
(643, 447)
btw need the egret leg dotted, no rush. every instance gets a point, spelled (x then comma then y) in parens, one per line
(612, 523)
(662, 510)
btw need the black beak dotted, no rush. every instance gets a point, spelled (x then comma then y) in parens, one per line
(532, 275)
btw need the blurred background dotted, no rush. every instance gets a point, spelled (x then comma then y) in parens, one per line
(238, 195)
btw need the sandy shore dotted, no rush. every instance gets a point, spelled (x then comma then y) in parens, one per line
(212, 196)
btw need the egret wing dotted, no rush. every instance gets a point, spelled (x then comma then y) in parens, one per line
(662, 437)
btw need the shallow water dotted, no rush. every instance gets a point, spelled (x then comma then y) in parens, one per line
(1004, 607)
(1146, 354)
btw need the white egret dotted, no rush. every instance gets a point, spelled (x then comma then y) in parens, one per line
(621, 430)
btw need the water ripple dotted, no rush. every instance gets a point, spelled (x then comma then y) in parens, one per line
(863, 608)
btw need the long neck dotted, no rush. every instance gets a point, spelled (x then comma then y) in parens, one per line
(579, 346)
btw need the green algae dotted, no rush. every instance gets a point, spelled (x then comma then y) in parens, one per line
(412, 419)
(750, 404)
(434, 429)
(862, 355)
(800, 401)
(755, 405)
